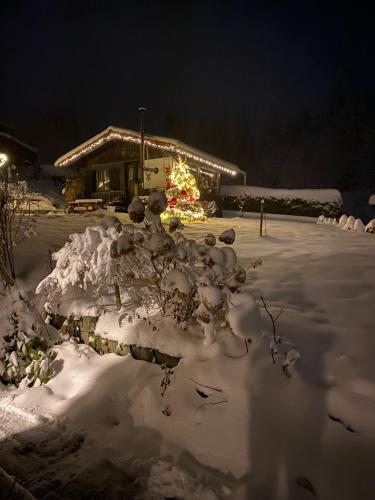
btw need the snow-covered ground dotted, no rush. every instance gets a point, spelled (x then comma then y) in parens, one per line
(100, 428)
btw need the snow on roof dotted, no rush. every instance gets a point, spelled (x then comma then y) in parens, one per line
(371, 200)
(324, 195)
(24, 144)
(162, 143)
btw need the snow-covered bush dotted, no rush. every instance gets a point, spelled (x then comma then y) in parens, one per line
(349, 224)
(359, 226)
(156, 273)
(307, 202)
(25, 357)
(14, 226)
(342, 220)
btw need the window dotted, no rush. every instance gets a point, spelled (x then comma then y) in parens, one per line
(114, 175)
(107, 179)
(102, 180)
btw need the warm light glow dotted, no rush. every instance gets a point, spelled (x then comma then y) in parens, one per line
(135, 139)
(3, 159)
(182, 194)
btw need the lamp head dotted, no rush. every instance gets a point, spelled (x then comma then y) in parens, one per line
(3, 159)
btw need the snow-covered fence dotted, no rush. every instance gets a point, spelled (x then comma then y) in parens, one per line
(304, 202)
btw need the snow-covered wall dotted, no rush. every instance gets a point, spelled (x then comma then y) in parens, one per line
(308, 202)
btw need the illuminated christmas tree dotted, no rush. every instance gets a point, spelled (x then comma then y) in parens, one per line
(182, 194)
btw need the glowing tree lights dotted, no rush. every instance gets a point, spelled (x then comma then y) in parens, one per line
(182, 194)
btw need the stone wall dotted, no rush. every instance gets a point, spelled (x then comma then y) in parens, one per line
(84, 331)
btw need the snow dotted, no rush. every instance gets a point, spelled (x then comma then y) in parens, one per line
(349, 224)
(176, 280)
(243, 315)
(263, 435)
(358, 225)
(323, 195)
(370, 227)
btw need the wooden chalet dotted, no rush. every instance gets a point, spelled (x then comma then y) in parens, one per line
(107, 166)
(22, 155)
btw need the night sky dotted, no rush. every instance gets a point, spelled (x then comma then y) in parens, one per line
(70, 69)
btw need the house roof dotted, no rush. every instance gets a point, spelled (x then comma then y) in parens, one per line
(21, 143)
(163, 143)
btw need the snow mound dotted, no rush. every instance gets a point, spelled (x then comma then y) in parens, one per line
(370, 227)
(342, 220)
(243, 315)
(170, 481)
(359, 226)
(349, 224)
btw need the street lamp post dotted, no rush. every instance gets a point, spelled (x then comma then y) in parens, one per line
(142, 111)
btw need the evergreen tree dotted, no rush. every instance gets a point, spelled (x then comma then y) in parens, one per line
(182, 194)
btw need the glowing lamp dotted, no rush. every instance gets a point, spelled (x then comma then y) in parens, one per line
(3, 159)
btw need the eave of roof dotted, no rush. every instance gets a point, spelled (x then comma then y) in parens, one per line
(21, 143)
(163, 143)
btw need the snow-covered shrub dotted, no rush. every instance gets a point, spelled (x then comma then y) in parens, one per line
(370, 227)
(14, 226)
(25, 357)
(157, 273)
(349, 224)
(359, 226)
(308, 202)
(342, 220)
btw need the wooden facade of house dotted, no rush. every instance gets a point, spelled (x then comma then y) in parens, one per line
(108, 166)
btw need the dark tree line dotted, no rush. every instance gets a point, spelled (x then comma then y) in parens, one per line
(334, 147)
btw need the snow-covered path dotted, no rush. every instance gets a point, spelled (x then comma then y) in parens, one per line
(314, 431)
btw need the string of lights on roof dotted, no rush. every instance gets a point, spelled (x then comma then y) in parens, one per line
(130, 138)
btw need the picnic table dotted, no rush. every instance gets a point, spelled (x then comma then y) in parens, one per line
(85, 205)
